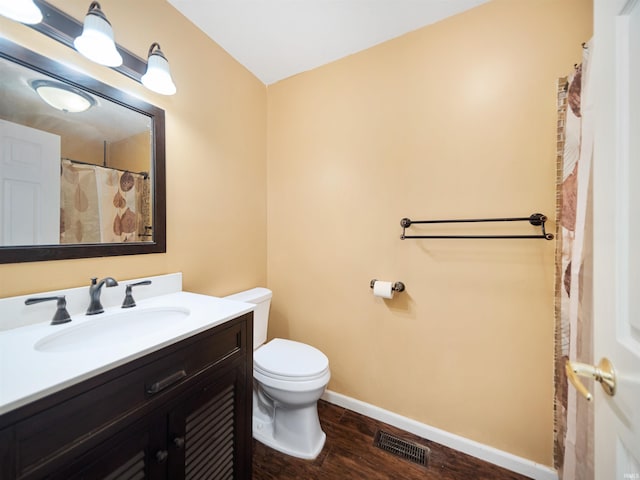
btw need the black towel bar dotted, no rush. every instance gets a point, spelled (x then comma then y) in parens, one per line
(535, 219)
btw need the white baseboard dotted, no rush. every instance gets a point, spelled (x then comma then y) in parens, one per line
(475, 449)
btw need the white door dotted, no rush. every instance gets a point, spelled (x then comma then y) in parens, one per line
(29, 186)
(616, 195)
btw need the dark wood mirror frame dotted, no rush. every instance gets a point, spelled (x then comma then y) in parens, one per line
(36, 253)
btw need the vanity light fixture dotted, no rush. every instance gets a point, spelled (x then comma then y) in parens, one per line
(63, 97)
(158, 76)
(23, 11)
(96, 42)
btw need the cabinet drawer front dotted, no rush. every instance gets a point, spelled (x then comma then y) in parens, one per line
(80, 422)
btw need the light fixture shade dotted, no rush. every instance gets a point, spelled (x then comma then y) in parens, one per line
(96, 42)
(24, 11)
(63, 97)
(158, 77)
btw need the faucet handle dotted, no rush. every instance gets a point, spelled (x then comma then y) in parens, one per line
(61, 315)
(128, 297)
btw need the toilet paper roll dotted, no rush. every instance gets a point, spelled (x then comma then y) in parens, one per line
(383, 289)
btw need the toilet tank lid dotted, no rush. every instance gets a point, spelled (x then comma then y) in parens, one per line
(255, 295)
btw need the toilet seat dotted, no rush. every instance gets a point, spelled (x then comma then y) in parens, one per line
(291, 365)
(289, 359)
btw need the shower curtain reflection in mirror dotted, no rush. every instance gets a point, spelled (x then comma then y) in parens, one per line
(103, 205)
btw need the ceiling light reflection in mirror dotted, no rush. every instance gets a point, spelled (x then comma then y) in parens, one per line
(63, 97)
(105, 121)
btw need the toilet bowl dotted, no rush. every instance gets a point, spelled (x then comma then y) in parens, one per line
(289, 379)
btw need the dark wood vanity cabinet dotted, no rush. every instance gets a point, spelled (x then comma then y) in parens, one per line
(183, 412)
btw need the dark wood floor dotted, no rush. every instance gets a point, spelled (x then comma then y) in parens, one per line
(349, 454)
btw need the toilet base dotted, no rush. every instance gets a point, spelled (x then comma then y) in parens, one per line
(284, 440)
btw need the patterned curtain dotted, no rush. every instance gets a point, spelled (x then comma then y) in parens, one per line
(103, 205)
(573, 434)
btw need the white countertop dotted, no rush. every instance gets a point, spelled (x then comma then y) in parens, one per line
(27, 374)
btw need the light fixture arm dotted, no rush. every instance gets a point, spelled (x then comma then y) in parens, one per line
(95, 9)
(156, 46)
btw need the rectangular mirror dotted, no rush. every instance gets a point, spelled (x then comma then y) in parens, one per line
(79, 179)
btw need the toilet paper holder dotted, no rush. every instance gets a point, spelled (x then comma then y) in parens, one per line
(397, 286)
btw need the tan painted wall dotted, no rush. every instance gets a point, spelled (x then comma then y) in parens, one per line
(456, 120)
(216, 157)
(131, 153)
(82, 149)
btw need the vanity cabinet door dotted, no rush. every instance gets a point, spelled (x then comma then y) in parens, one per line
(6, 453)
(208, 432)
(128, 455)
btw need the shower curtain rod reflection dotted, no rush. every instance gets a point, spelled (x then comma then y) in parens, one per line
(89, 164)
(535, 219)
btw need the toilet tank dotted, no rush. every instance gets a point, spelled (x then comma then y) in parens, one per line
(261, 297)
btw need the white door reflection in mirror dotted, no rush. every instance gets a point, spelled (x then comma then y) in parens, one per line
(29, 186)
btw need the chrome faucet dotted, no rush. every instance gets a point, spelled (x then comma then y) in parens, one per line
(94, 293)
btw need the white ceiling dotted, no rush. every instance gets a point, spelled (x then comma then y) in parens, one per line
(275, 39)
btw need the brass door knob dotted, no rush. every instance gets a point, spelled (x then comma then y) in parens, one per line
(603, 373)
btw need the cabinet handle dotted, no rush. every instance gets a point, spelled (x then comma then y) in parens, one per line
(178, 442)
(161, 455)
(166, 382)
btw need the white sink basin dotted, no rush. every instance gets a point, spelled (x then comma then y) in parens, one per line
(106, 331)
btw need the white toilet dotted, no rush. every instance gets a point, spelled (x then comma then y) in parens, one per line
(289, 379)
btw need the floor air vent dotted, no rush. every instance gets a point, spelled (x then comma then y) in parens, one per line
(402, 448)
